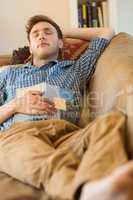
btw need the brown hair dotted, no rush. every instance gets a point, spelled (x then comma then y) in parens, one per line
(42, 18)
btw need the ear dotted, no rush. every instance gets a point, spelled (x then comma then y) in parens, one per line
(60, 43)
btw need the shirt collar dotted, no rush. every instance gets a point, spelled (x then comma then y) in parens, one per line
(62, 64)
(66, 63)
(51, 63)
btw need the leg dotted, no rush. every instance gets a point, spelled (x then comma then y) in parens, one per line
(23, 152)
(96, 146)
(106, 150)
(27, 153)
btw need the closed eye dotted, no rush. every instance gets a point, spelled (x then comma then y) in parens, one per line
(35, 34)
(48, 31)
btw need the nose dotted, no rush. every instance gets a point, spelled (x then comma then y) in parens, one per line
(42, 36)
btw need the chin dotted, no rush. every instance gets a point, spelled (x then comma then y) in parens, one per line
(42, 55)
(45, 55)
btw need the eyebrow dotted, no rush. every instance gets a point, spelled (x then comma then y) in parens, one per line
(45, 29)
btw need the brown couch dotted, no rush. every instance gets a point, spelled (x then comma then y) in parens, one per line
(111, 88)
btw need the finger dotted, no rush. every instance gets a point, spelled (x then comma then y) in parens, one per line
(35, 99)
(44, 107)
(47, 109)
(38, 112)
(50, 112)
(35, 92)
(42, 112)
(47, 101)
(45, 104)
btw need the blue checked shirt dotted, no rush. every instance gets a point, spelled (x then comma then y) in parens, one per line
(66, 74)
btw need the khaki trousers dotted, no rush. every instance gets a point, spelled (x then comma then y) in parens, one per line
(59, 157)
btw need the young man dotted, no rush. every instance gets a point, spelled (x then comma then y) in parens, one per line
(45, 41)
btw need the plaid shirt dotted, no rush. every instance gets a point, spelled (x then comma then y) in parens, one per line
(66, 74)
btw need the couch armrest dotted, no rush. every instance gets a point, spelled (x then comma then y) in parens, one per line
(5, 60)
(111, 87)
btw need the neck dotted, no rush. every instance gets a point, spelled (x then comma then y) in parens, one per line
(40, 62)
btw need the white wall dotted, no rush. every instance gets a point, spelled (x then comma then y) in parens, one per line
(121, 15)
(125, 16)
(14, 14)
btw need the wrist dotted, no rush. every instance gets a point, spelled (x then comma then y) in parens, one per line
(67, 32)
(13, 107)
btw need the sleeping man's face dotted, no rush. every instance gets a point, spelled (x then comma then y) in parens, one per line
(44, 42)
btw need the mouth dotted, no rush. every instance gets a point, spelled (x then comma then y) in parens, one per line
(42, 45)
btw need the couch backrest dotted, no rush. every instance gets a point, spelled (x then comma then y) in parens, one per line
(72, 50)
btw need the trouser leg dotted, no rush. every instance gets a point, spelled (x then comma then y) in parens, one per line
(100, 149)
(27, 153)
(106, 148)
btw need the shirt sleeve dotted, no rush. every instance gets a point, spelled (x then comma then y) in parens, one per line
(3, 78)
(86, 64)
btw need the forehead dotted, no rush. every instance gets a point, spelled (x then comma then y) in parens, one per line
(42, 25)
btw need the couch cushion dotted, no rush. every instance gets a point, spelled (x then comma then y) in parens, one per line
(20, 56)
(73, 48)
